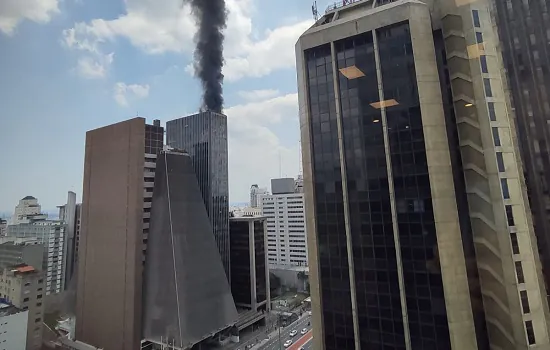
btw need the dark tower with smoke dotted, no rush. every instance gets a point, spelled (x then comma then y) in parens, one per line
(211, 18)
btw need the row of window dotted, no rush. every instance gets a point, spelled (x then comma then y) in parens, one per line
(504, 183)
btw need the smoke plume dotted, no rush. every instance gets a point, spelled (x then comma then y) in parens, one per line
(211, 18)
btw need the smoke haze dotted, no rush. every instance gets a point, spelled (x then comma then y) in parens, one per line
(211, 17)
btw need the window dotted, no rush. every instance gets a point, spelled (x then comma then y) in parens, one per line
(505, 189)
(487, 84)
(524, 302)
(479, 37)
(37, 320)
(500, 162)
(40, 281)
(510, 215)
(530, 332)
(519, 272)
(492, 114)
(26, 299)
(475, 15)
(496, 136)
(515, 244)
(483, 61)
(39, 296)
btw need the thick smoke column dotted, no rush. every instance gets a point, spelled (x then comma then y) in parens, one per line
(211, 18)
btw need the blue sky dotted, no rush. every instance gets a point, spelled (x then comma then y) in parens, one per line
(68, 66)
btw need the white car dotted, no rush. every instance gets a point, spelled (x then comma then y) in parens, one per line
(287, 343)
(293, 333)
(303, 331)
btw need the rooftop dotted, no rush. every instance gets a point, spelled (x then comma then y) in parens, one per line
(28, 198)
(7, 309)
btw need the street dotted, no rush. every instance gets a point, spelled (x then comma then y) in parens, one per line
(273, 343)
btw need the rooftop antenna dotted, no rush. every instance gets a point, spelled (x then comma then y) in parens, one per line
(314, 11)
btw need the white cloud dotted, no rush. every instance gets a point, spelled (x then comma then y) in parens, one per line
(254, 147)
(94, 68)
(168, 26)
(12, 12)
(258, 95)
(124, 92)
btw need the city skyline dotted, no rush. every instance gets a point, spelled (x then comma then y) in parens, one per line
(153, 81)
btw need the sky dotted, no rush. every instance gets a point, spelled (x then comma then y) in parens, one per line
(69, 66)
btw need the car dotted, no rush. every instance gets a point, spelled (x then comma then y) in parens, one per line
(287, 343)
(293, 332)
(303, 331)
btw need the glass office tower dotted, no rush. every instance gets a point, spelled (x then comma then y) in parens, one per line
(408, 183)
(204, 137)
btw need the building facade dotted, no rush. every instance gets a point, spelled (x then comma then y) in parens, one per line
(68, 214)
(249, 268)
(204, 137)
(524, 30)
(50, 234)
(255, 193)
(3, 227)
(13, 327)
(118, 175)
(23, 287)
(21, 251)
(420, 230)
(26, 208)
(286, 226)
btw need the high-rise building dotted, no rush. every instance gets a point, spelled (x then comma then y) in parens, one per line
(286, 226)
(119, 170)
(50, 234)
(3, 227)
(68, 214)
(186, 296)
(249, 269)
(21, 251)
(255, 193)
(13, 322)
(23, 287)
(420, 232)
(524, 29)
(204, 137)
(27, 207)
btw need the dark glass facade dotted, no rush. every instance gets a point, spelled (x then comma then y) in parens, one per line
(524, 29)
(240, 262)
(154, 138)
(260, 261)
(204, 137)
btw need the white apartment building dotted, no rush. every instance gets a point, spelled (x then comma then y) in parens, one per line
(286, 229)
(255, 194)
(26, 208)
(13, 327)
(51, 234)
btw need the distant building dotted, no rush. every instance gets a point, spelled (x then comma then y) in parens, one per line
(249, 269)
(51, 234)
(27, 207)
(70, 215)
(286, 228)
(255, 193)
(204, 137)
(13, 326)
(3, 227)
(119, 171)
(299, 184)
(23, 286)
(246, 211)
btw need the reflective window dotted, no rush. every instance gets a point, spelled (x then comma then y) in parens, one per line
(510, 215)
(519, 272)
(524, 302)
(515, 244)
(487, 85)
(500, 162)
(496, 136)
(475, 15)
(483, 61)
(530, 332)
(505, 190)
(479, 37)
(492, 113)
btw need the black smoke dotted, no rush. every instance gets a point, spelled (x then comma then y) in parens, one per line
(211, 17)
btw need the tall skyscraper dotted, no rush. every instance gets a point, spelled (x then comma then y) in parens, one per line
(27, 207)
(186, 296)
(119, 171)
(255, 195)
(204, 137)
(420, 227)
(68, 214)
(524, 28)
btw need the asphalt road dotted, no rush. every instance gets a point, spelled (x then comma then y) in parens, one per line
(273, 343)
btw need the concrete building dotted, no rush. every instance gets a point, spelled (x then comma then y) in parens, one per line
(186, 296)
(27, 207)
(51, 235)
(119, 170)
(13, 327)
(23, 287)
(249, 268)
(68, 213)
(204, 137)
(246, 211)
(524, 31)
(3, 227)
(286, 226)
(21, 251)
(420, 233)
(299, 184)
(255, 193)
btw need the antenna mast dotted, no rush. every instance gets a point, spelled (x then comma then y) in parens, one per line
(314, 10)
